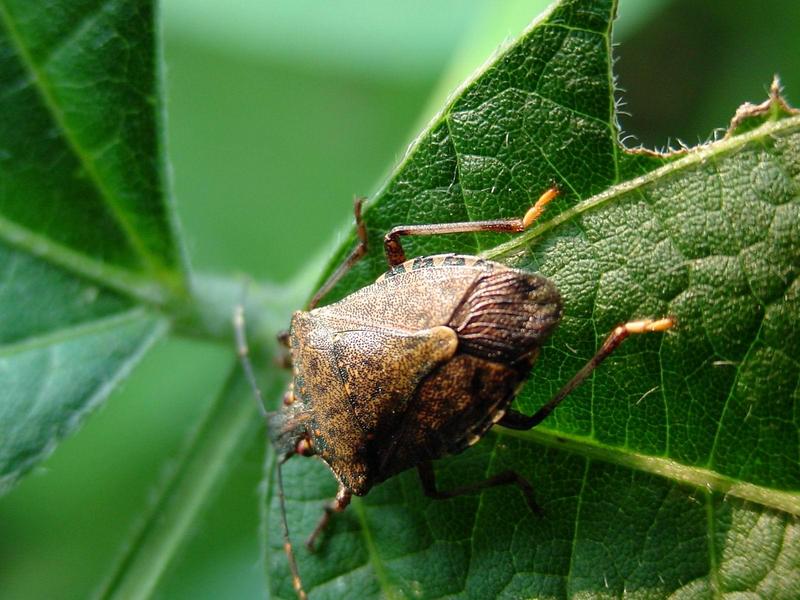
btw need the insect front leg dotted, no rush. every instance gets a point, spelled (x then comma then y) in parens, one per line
(516, 420)
(284, 358)
(338, 504)
(394, 249)
(428, 479)
(358, 252)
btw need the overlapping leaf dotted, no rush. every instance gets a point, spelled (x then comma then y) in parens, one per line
(676, 468)
(85, 232)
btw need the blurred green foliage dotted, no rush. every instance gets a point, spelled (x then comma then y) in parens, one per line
(278, 113)
(686, 71)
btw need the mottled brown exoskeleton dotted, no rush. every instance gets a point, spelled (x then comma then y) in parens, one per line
(418, 365)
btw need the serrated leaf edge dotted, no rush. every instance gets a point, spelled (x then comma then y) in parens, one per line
(695, 157)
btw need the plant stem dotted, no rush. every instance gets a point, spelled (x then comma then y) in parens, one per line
(228, 426)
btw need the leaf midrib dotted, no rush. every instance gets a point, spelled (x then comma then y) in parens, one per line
(124, 281)
(65, 334)
(693, 158)
(660, 466)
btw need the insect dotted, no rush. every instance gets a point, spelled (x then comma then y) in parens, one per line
(418, 365)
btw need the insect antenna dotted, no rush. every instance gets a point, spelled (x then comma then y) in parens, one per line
(287, 543)
(243, 350)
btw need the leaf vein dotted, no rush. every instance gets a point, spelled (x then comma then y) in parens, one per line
(122, 280)
(84, 25)
(69, 333)
(45, 88)
(699, 477)
(568, 576)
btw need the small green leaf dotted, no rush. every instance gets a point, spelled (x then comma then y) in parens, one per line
(675, 469)
(87, 247)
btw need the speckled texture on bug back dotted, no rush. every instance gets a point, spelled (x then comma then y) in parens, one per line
(415, 366)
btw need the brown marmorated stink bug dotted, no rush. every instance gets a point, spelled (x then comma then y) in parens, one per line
(417, 365)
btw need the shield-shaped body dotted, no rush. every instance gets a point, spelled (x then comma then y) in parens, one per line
(417, 365)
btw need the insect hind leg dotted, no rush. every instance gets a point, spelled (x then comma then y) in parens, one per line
(428, 479)
(516, 420)
(357, 254)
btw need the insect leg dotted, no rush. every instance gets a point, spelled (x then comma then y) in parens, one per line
(396, 255)
(297, 583)
(244, 356)
(428, 479)
(516, 420)
(337, 505)
(358, 252)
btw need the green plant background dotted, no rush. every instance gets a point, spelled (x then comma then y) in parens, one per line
(261, 107)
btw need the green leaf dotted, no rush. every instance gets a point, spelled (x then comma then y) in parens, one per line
(87, 247)
(675, 469)
(51, 382)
